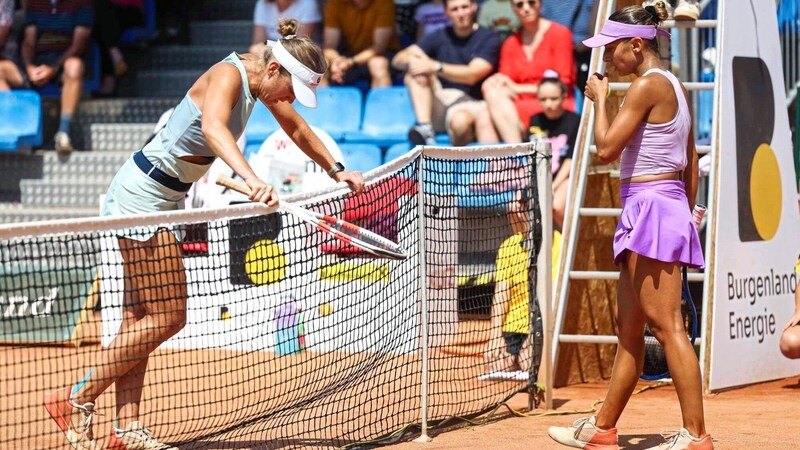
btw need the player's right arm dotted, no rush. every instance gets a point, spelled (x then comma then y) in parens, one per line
(217, 97)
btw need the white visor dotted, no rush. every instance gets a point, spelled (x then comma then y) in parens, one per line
(304, 80)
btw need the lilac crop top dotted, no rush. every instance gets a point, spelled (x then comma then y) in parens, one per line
(658, 148)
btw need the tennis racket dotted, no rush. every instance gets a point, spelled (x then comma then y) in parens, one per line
(340, 229)
(655, 360)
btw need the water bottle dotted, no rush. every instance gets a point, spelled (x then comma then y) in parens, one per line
(697, 214)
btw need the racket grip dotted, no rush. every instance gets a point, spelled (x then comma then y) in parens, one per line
(230, 183)
(697, 214)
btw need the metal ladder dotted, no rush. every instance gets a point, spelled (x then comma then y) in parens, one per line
(576, 210)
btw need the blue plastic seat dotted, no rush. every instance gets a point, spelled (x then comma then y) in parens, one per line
(388, 115)
(398, 150)
(338, 111)
(261, 124)
(146, 32)
(361, 157)
(21, 126)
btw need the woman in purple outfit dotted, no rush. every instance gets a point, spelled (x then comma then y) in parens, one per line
(656, 236)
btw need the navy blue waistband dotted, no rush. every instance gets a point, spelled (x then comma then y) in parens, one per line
(155, 173)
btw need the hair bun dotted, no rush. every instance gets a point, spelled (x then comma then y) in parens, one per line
(550, 73)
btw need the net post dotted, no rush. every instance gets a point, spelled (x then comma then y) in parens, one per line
(423, 298)
(544, 263)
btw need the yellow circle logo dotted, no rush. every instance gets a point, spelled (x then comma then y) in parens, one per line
(265, 262)
(765, 192)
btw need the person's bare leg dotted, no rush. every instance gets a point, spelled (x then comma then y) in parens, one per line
(10, 77)
(379, 71)
(504, 114)
(71, 91)
(560, 204)
(420, 90)
(461, 127)
(484, 127)
(659, 285)
(156, 272)
(628, 362)
(790, 342)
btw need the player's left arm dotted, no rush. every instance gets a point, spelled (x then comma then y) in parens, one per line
(301, 134)
(690, 174)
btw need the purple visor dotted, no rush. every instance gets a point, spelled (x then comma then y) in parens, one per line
(613, 31)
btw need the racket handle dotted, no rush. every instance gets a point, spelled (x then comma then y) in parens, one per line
(697, 214)
(230, 183)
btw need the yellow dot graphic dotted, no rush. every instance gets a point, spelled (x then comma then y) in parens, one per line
(765, 192)
(265, 262)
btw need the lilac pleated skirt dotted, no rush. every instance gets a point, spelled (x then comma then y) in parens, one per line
(656, 223)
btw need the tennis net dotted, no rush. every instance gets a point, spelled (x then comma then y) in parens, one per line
(291, 338)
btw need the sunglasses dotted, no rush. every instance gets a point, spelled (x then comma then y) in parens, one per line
(531, 3)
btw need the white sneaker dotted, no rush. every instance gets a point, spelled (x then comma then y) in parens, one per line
(687, 10)
(682, 440)
(63, 143)
(135, 437)
(584, 434)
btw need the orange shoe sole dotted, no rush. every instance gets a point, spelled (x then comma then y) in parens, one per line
(51, 403)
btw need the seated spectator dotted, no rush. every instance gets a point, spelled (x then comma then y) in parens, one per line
(52, 51)
(430, 16)
(508, 348)
(790, 338)
(578, 16)
(560, 128)
(112, 18)
(444, 74)
(499, 16)
(267, 13)
(6, 19)
(539, 45)
(358, 34)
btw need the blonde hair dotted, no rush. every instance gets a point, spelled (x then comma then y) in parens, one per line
(301, 47)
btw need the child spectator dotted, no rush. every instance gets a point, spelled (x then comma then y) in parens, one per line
(560, 128)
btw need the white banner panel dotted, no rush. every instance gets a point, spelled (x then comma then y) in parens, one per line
(757, 226)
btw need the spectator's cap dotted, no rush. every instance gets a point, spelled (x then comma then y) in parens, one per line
(613, 31)
(304, 80)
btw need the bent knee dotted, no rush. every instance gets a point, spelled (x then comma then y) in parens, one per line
(73, 67)
(790, 342)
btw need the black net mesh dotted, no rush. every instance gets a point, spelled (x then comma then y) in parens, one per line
(263, 332)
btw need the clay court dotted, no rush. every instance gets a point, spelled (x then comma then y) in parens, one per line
(762, 416)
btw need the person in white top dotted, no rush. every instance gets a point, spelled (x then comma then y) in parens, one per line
(267, 13)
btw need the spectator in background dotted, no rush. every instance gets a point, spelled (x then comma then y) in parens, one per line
(560, 128)
(579, 17)
(499, 16)
(6, 19)
(56, 35)
(357, 36)
(790, 338)
(430, 16)
(114, 17)
(267, 13)
(538, 46)
(444, 74)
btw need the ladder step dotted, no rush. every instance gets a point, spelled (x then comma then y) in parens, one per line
(614, 275)
(688, 24)
(701, 149)
(588, 339)
(601, 212)
(690, 86)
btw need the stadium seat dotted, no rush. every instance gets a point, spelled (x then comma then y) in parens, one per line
(361, 157)
(146, 32)
(388, 115)
(261, 124)
(22, 119)
(338, 111)
(398, 150)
